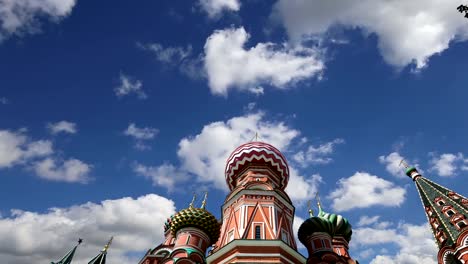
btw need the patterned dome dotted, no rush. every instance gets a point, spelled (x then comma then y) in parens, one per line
(256, 153)
(332, 224)
(313, 225)
(198, 218)
(342, 226)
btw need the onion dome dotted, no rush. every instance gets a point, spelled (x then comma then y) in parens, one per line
(256, 153)
(198, 218)
(315, 224)
(342, 226)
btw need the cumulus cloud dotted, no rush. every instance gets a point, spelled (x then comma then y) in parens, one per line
(166, 175)
(364, 190)
(17, 148)
(401, 26)
(392, 164)
(204, 155)
(71, 170)
(62, 127)
(368, 220)
(215, 7)
(414, 243)
(296, 224)
(129, 86)
(230, 65)
(18, 17)
(317, 154)
(447, 164)
(137, 224)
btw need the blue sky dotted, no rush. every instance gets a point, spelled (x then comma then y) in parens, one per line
(113, 112)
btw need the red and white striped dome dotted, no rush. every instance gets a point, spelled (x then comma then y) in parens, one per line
(256, 153)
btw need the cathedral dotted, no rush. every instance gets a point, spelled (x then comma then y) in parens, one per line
(257, 215)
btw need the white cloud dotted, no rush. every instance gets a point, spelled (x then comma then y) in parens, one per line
(301, 188)
(71, 170)
(128, 86)
(140, 135)
(137, 224)
(230, 65)
(166, 175)
(401, 26)
(296, 225)
(16, 148)
(168, 55)
(368, 220)
(364, 190)
(447, 164)
(144, 133)
(415, 243)
(317, 154)
(392, 164)
(3, 100)
(18, 17)
(215, 7)
(178, 57)
(204, 155)
(62, 126)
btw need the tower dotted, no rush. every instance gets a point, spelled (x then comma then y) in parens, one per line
(257, 214)
(447, 213)
(67, 259)
(326, 237)
(101, 257)
(188, 234)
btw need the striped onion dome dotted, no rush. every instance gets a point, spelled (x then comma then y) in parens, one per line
(256, 153)
(342, 226)
(198, 218)
(315, 224)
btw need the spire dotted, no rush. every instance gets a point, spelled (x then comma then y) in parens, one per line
(193, 200)
(67, 259)
(446, 210)
(319, 203)
(311, 211)
(101, 257)
(204, 200)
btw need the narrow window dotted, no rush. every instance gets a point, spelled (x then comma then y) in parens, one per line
(258, 232)
(450, 213)
(188, 239)
(441, 202)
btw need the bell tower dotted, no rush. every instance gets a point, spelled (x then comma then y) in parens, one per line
(447, 214)
(257, 214)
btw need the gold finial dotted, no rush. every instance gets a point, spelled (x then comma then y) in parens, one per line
(404, 164)
(193, 200)
(203, 204)
(309, 206)
(319, 203)
(106, 247)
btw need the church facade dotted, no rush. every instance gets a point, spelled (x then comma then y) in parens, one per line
(257, 220)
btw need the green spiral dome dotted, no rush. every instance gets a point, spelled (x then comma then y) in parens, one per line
(198, 218)
(313, 225)
(342, 226)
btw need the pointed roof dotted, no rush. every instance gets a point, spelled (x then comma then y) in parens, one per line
(101, 257)
(446, 210)
(67, 259)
